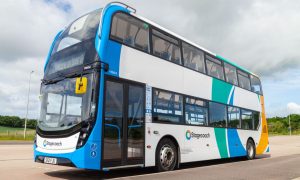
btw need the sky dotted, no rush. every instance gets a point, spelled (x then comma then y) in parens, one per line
(262, 36)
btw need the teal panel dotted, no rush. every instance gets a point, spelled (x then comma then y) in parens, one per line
(220, 134)
(220, 91)
(233, 64)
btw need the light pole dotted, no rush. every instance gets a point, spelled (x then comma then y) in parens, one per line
(290, 128)
(27, 104)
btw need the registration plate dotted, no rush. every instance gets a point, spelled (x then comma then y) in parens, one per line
(49, 160)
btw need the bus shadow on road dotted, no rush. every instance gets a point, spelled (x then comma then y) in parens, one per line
(88, 174)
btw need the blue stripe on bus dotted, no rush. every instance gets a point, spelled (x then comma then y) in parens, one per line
(110, 57)
(109, 51)
(234, 144)
(51, 49)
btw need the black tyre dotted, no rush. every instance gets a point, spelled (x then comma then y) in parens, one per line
(166, 155)
(251, 151)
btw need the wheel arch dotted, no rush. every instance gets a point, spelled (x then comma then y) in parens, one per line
(174, 140)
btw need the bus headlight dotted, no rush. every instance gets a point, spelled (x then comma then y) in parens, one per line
(84, 133)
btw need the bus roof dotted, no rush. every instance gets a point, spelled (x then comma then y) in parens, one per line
(196, 45)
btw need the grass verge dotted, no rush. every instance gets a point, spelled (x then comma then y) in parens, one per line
(10, 133)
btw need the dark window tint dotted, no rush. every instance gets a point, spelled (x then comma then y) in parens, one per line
(214, 67)
(113, 121)
(247, 122)
(217, 115)
(167, 106)
(233, 117)
(256, 85)
(193, 58)
(244, 81)
(135, 125)
(195, 111)
(166, 47)
(130, 31)
(230, 74)
(256, 118)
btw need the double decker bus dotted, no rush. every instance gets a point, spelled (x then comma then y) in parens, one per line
(121, 91)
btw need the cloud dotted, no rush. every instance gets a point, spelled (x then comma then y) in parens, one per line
(293, 108)
(262, 36)
(28, 28)
(60, 4)
(259, 35)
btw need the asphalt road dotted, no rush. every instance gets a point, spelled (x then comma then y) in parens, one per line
(283, 163)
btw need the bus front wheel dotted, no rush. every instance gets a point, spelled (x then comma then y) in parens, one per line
(166, 155)
(250, 149)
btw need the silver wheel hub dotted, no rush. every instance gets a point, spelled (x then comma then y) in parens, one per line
(166, 156)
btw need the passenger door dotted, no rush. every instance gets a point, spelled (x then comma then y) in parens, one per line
(123, 128)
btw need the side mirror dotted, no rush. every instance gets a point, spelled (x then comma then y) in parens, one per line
(81, 84)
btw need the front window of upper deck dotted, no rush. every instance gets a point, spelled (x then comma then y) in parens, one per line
(75, 45)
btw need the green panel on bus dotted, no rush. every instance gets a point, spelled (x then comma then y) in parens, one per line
(220, 91)
(220, 134)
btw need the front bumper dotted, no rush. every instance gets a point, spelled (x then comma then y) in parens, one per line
(86, 157)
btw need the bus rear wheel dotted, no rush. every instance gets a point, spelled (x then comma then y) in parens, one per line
(250, 149)
(166, 155)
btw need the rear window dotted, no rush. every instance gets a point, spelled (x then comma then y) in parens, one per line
(256, 85)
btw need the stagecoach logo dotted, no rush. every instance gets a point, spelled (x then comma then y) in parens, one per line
(48, 143)
(189, 134)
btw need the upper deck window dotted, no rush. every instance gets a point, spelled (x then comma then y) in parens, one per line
(166, 47)
(75, 45)
(230, 74)
(244, 80)
(193, 58)
(214, 67)
(255, 85)
(130, 31)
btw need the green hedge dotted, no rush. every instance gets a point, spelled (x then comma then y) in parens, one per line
(280, 125)
(17, 122)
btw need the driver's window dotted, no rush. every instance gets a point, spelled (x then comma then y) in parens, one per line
(53, 104)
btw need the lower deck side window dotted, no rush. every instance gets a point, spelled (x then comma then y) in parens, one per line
(247, 120)
(233, 117)
(167, 107)
(256, 119)
(217, 114)
(196, 112)
(174, 108)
